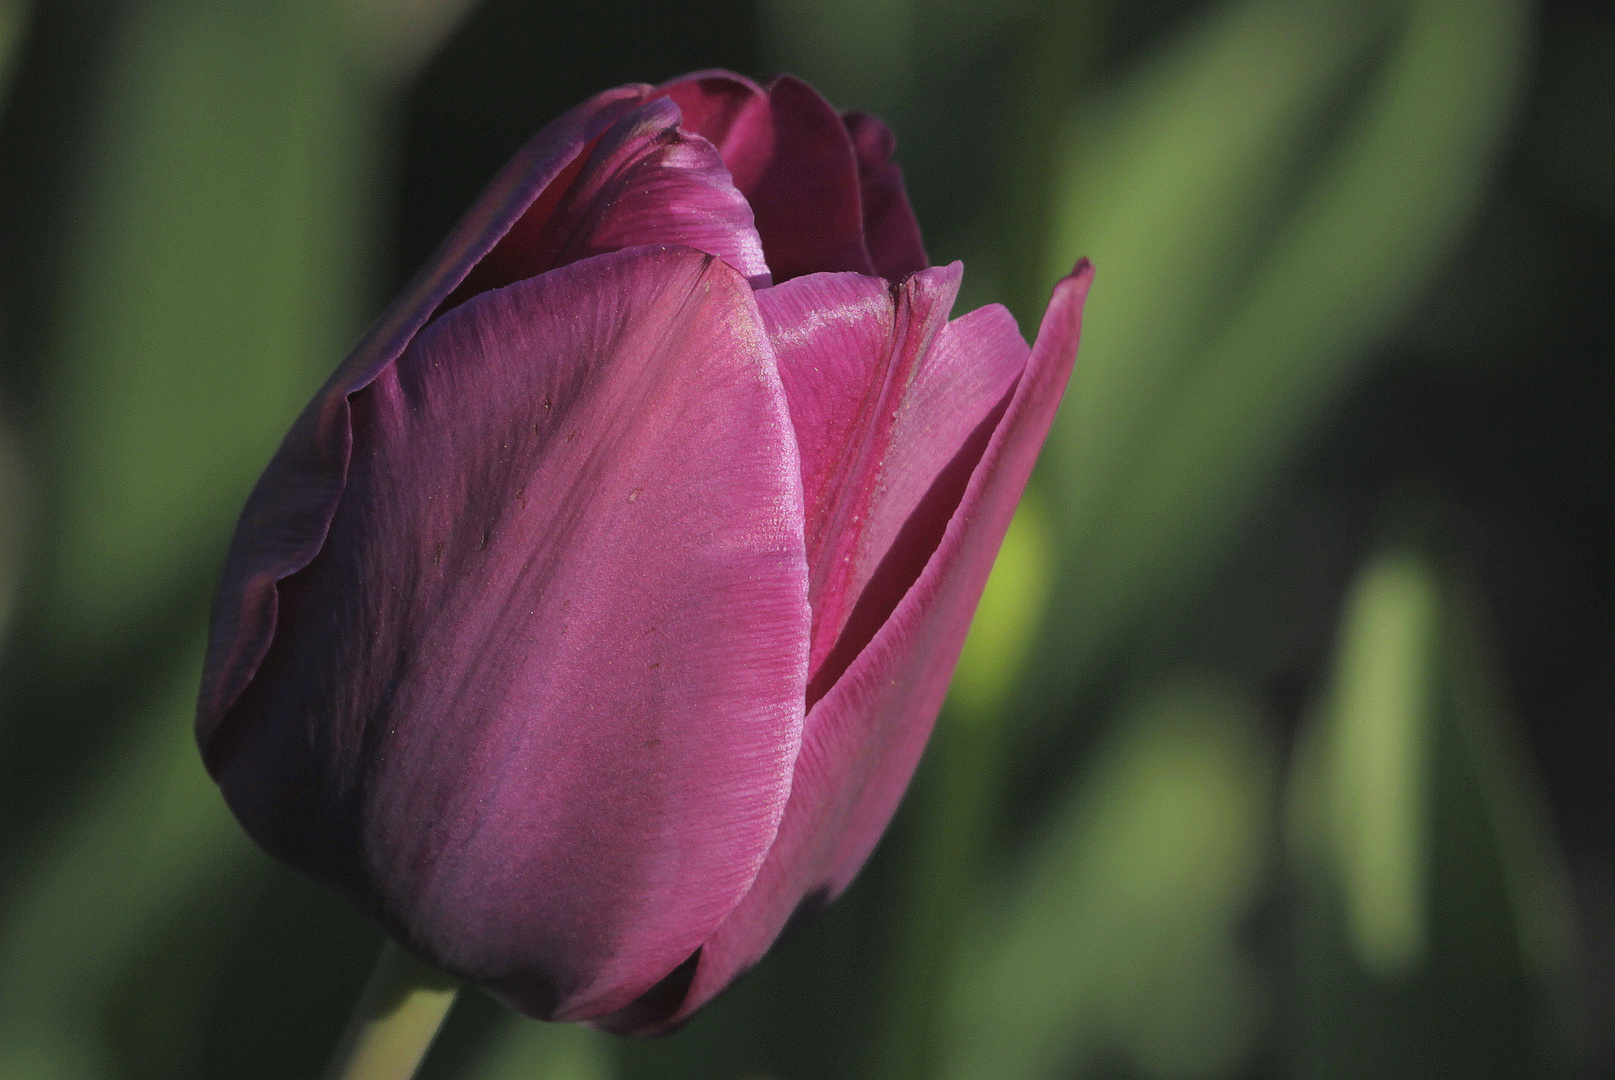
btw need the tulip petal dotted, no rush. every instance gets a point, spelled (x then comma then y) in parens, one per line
(729, 111)
(883, 391)
(644, 181)
(890, 230)
(864, 737)
(807, 200)
(286, 516)
(795, 163)
(538, 699)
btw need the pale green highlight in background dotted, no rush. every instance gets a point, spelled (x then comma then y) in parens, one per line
(1009, 615)
(1406, 761)
(1377, 754)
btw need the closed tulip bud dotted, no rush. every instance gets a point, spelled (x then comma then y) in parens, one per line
(591, 619)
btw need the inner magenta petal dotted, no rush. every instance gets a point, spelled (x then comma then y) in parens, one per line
(793, 159)
(644, 181)
(807, 196)
(890, 231)
(883, 393)
(729, 111)
(827, 194)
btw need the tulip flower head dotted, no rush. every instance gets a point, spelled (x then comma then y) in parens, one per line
(592, 618)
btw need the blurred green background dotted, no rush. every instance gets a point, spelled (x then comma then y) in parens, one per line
(1281, 744)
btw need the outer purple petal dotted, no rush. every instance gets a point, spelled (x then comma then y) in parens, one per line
(864, 737)
(539, 699)
(883, 391)
(284, 522)
(793, 159)
(890, 231)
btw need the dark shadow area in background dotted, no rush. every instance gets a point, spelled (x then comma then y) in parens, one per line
(64, 50)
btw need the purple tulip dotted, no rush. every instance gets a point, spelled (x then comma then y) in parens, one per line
(592, 618)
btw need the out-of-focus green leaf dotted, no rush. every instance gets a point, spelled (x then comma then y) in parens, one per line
(1254, 241)
(210, 285)
(1117, 939)
(1433, 934)
(209, 280)
(1371, 812)
(1171, 183)
(150, 843)
(528, 1050)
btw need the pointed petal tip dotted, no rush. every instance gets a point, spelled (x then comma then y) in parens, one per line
(1061, 325)
(1081, 275)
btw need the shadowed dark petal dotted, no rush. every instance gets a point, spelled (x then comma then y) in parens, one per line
(864, 737)
(890, 231)
(537, 702)
(793, 160)
(655, 1005)
(729, 111)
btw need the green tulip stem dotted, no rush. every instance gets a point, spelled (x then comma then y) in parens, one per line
(393, 1024)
